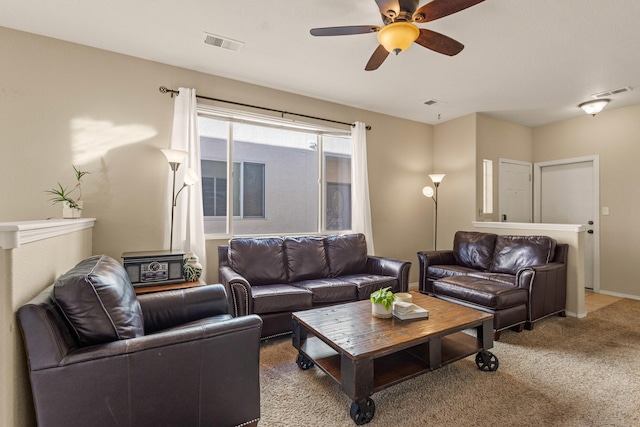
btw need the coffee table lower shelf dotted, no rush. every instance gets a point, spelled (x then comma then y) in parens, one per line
(395, 367)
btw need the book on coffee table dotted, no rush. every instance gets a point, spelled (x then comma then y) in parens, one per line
(407, 310)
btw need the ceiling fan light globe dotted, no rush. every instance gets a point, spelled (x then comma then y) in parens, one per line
(398, 36)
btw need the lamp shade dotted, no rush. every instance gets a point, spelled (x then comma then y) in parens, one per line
(174, 156)
(436, 177)
(594, 107)
(190, 177)
(427, 191)
(398, 36)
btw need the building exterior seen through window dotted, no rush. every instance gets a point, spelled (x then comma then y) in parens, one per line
(283, 180)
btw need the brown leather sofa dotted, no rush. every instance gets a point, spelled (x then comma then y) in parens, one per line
(519, 279)
(275, 276)
(100, 356)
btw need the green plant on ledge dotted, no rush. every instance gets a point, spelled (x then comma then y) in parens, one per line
(61, 194)
(383, 296)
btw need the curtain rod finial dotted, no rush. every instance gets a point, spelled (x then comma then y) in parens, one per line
(164, 89)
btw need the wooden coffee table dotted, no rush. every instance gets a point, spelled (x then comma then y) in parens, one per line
(365, 354)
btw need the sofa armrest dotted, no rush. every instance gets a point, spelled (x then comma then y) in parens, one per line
(390, 267)
(239, 291)
(547, 287)
(162, 310)
(427, 258)
(179, 335)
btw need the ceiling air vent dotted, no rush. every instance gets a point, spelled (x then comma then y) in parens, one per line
(223, 42)
(611, 92)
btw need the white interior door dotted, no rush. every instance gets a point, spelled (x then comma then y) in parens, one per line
(568, 193)
(514, 183)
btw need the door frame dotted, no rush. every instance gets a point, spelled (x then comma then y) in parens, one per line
(537, 182)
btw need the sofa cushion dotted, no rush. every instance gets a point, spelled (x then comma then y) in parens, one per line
(99, 301)
(438, 271)
(260, 260)
(368, 283)
(347, 254)
(329, 290)
(306, 258)
(515, 252)
(508, 279)
(280, 297)
(474, 250)
(487, 293)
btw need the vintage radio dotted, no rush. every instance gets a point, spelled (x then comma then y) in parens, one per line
(154, 267)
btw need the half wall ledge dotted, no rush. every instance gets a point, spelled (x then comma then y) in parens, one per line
(15, 234)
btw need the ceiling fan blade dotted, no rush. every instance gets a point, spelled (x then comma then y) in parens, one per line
(378, 57)
(389, 8)
(440, 8)
(344, 31)
(439, 42)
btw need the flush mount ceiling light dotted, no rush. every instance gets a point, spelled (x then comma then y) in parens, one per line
(594, 107)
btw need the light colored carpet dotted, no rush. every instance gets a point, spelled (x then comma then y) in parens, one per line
(566, 372)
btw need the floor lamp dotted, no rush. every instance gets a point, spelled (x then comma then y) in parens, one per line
(175, 157)
(428, 192)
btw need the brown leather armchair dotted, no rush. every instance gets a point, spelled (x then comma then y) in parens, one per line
(100, 356)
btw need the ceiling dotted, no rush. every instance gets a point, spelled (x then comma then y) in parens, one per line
(526, 61)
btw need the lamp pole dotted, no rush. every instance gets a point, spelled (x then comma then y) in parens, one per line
(436, 178)
(174, 168)
(435, 202)
(174, 157)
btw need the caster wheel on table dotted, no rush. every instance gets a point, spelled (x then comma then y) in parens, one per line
(362, 413)
(303, 362)
(487, 361)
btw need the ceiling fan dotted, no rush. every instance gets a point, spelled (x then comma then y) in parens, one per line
(398, 31)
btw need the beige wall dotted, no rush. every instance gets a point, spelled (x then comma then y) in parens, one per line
(498, 139)
(614, 136)
(455, 155)
(67, 104)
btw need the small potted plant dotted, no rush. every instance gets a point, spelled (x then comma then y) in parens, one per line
(71, 205)
(381, 301)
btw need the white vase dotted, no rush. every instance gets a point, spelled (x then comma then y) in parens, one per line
(378, 310)
(69, 212)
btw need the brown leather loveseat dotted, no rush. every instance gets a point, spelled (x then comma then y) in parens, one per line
(519, 279)
(275, 276)
(100, 356)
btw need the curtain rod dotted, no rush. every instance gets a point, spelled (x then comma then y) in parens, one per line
(163, 89)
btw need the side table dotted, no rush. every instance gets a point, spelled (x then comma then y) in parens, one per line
(167, 287)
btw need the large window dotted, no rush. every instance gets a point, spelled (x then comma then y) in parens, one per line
(286, 178)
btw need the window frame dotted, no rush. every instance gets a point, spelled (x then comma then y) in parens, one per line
(236, 116)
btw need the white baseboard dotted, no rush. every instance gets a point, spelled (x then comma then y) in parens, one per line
(572, 314)
(620, 295)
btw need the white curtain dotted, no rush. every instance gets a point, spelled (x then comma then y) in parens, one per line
(361, 214)
(188, 227)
